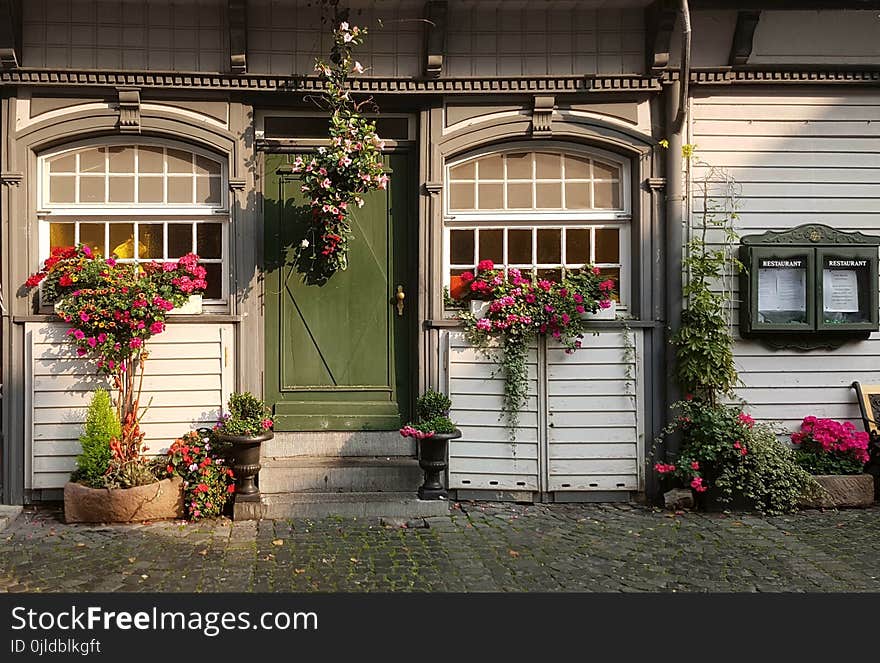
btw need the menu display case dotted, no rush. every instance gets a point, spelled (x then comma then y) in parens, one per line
(810, 282)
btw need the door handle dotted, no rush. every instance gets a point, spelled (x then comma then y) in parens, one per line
(399, 297)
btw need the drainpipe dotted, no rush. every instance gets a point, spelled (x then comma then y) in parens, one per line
(676, 113)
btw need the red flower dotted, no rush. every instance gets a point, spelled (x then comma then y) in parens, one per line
(230, 488)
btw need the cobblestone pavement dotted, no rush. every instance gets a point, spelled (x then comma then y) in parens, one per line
(479, 547)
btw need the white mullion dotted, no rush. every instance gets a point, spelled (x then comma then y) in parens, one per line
(75, 233)
(192, 246)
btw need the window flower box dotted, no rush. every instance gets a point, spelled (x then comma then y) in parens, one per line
(193, 306)
(479, 308)
(609, 313)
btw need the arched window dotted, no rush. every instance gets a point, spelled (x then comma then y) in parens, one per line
(139, 201)
(547, 210)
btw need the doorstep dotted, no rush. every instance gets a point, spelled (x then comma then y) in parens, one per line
(282, 506)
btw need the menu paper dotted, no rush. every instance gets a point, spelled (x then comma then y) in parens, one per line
(782, 285)
(840, 289)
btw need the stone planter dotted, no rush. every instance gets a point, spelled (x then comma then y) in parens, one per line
(432, 459)
(243, 452)
(842, 490)
(156, 501)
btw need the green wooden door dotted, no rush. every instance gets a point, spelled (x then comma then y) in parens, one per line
(338, 355)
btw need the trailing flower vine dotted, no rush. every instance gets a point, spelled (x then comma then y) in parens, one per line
(519, 309)
(336, 178)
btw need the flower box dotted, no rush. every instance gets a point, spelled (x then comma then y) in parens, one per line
(609, 313)
(841, 490)
(161, 500)
(193, 306)
(479, 308)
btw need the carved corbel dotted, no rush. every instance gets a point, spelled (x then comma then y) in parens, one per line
(11, 179)
(10, 34)
(743, 36)
(129, 110)
(542, 116)
(238, 36)
(435, 37)
(660, 21)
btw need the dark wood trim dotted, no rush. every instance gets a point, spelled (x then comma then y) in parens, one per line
(237, 13)
(782, 76)
(779, 5)
(10, 34)
(660, 22)
(435, 37)
(743, 36)
(267, 83)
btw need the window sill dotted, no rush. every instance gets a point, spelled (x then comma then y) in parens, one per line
(455, 323)
(171, 320)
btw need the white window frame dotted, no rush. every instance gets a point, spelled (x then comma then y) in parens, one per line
(148, 214)
(546, 218)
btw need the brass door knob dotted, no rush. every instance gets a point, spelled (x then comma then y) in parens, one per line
(400, 296)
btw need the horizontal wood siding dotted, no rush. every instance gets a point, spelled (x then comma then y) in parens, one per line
(186, 382)
(580, 430)
(808, 158)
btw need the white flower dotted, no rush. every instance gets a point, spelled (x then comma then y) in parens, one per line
(358, 68)
(343, 26)
(304, 244)
(347, 37)
(193, 467)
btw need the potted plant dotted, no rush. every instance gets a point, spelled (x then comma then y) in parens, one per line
(835, 454)
(241, 432)
(207, 481)
(433, 430)
(110, 486)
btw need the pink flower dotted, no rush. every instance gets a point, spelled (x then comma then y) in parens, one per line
(84, 316)
(577, 298)
(746, 420)
(135, 343)
(78, 334)
(695, 465)
(663, 468)
(157, 327)
(604, 303)
(111, 262)
(92, 341)
(697, 485)
(483, 324)
(267, 424)
(579, 309)
(485, 265)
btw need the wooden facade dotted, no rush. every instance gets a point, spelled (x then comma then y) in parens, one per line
(465, 81)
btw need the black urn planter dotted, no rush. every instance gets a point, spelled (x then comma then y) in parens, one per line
(432, 459)
(243, 452)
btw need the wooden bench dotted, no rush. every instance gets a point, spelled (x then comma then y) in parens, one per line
(869, 405)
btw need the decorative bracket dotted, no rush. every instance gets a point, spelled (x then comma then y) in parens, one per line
(10, 34)
(238, 36)
(435, 37)
(129, 110)
(238, 183)
(660, 19)
(542, 116)
(10, 179)
(656, 183)
(741, 48)
(433, 188)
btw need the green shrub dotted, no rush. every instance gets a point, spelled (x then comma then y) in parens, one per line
(247, 415)
(101, 426)
(433, 404)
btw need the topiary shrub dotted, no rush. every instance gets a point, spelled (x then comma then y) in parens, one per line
(101, 426)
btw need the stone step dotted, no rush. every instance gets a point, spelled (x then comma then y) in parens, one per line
(339, 443)
(316, 474)
(351, 505)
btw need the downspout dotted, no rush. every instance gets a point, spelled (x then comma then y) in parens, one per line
(676, 113)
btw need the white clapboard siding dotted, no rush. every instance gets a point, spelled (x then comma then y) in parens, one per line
(187, 379)
(580, 430)
(808, 158)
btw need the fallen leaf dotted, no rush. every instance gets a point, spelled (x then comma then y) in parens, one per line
(278, 542)
(80, 545)
(299, 570)
(203, 552)
(131, 560)
(144, 576)
(353, 559)
(513, 553)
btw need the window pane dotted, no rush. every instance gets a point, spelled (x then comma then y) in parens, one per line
(61, 234)
(550, 274)
(180, 190)
(461, 196)
(607, 195)
(91, 189)
(461, 247)
(519, 166)
(151, 189)
(62, 189)
(63, 164)
(492, 245)
(150, 240)
(463, 171)
(179, 161)
(519, 195)
(607, 245)
(214, 277)
(121, 189)
(549, 246)
(612, 273)
(121, 159)
(457, 287)
(92, 235)
(605, 171)
(150, 159)
(209, 240)
(519, 247)
(548, 166)
(491, 196)
(92, 161)
(548, 196)
(577, 168)
(577, 195)
(577, 246)
(205, 166)
(491, 168)
(208, 190)
(122, 240)
(180, 240)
